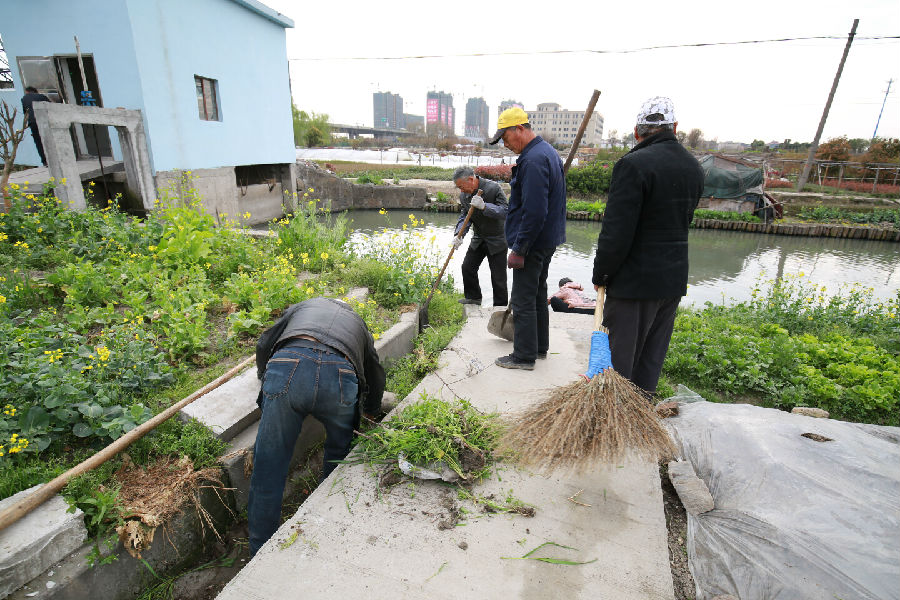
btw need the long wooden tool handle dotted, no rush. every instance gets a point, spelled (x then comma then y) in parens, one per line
(598, 310)
(462, 232)
(584, 124)
(29, 503)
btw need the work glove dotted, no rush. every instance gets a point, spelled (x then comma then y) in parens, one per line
(478, 202)
(456, 243)
(515, 261)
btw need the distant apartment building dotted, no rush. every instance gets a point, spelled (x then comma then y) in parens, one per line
(477, 122)
(387, 110)
(509, 104)
(559, 126)
(440, 117)
(414, 122)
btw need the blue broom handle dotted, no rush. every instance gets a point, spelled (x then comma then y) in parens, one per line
(598, 310)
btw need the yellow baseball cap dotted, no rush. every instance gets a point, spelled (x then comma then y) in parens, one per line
(509, 118)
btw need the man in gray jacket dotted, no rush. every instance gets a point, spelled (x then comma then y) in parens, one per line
(318, 359)
(489, 239)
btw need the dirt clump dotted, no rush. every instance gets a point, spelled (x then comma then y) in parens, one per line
(152, 495)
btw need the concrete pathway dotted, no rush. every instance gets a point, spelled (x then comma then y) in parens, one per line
(353, 538)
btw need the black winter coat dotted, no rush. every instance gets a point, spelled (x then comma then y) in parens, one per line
(336, 325)
(642, 250)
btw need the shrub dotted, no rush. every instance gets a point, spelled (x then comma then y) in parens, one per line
(590, 180)
(495, 172)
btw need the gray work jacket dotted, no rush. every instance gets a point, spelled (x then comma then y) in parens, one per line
(488, 223)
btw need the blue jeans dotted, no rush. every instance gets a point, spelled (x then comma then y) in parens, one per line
(528, 301)
(302, 378)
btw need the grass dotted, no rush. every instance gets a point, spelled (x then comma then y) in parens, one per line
(349, 169)
(591, 207)
(725, 215)
(446, 318)
(433, 430)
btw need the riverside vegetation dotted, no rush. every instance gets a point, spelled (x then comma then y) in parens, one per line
(107, 319)
(792, 345)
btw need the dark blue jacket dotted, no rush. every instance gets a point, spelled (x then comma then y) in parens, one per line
(537, 199)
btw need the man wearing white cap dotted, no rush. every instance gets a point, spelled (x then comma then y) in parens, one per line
(642, 250)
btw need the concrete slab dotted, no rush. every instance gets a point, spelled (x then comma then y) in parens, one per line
(228, 409)
(37, 540)
(87, 169)
(357, 539)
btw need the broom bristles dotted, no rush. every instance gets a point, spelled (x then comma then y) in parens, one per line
(585, 422)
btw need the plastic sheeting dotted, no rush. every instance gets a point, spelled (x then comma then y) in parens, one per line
(729, 179)
(794, 518)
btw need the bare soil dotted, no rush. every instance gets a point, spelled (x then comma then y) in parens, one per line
(676, 524)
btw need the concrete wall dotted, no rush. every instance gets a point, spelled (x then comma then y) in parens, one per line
(146, 53)
(222, 198)
(222, 40)
(47, 27)
(345, 195)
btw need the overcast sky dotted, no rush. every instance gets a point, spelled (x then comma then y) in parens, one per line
(767, 91)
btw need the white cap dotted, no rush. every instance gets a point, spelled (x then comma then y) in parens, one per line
(658, 110)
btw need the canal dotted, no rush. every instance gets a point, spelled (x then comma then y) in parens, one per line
(724, 265)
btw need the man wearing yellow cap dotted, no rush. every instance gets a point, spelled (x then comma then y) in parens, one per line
(535, 226)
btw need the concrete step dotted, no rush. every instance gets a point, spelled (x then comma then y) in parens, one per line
(36, 541)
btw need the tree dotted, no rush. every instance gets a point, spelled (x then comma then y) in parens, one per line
(757, 145)
(310, 129)
(10, 138)
(682, 137)
(694, 138)
(614, 137)
(859, 145)
(628, 141)
(882, 150)
(836, 149)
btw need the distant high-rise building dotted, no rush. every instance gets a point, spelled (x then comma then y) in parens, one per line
(477, 121)
(440, 117)
(559, 126)
(509, 104)
(387, 110)
(414, 122)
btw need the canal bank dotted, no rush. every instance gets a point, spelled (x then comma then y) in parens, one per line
(353, 536)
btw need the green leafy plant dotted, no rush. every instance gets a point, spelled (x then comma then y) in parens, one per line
(725, 215)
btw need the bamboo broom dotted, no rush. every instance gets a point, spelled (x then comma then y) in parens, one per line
(602, 417)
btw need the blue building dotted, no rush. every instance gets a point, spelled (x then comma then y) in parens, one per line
(210, 78)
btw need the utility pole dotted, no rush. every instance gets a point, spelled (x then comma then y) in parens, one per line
(815, 143)
(875, 133)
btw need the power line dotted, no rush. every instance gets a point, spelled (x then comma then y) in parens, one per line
(588, 51)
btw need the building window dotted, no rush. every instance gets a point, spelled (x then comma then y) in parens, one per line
(207, 98)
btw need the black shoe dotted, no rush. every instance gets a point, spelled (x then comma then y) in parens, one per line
(470, 301)
(542, 355)
(511, 362)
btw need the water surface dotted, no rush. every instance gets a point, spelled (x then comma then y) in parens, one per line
(724, 265)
